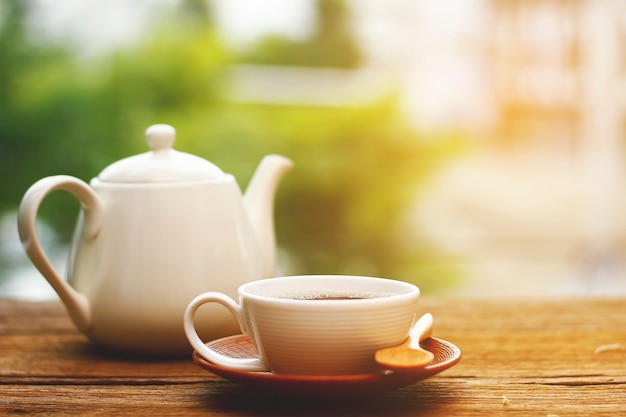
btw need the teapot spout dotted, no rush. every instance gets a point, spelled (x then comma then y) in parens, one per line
(259, 203)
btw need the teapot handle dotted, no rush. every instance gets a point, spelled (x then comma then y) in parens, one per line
(77, 304)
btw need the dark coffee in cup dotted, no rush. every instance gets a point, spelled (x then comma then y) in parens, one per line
(331, 295)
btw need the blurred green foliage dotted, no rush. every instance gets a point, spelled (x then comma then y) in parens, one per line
(331, 45)
(357, 170)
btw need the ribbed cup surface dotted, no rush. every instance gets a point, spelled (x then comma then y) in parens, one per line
(328, 337)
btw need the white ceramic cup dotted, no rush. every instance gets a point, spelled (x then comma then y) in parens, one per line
(295, 333)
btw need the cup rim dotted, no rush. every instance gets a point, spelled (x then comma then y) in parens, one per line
(408, 290)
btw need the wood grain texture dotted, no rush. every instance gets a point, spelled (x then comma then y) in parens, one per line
(520, 358)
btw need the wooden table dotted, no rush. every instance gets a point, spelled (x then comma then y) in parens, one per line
(520, 357)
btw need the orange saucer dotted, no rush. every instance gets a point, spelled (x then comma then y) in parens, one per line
(240, 346)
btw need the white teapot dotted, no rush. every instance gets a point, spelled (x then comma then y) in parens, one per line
(155, 230)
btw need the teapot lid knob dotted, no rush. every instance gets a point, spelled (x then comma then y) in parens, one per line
(160, 137)
(162, 164)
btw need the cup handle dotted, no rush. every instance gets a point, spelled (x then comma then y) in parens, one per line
(252, 364)
(93, 210)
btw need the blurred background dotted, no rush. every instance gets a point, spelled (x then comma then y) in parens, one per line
(472, 147)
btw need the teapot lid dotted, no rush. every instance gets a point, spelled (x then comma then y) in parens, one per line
(161, 163)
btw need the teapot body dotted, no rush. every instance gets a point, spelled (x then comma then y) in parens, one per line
(159, 246)
(155, 230)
